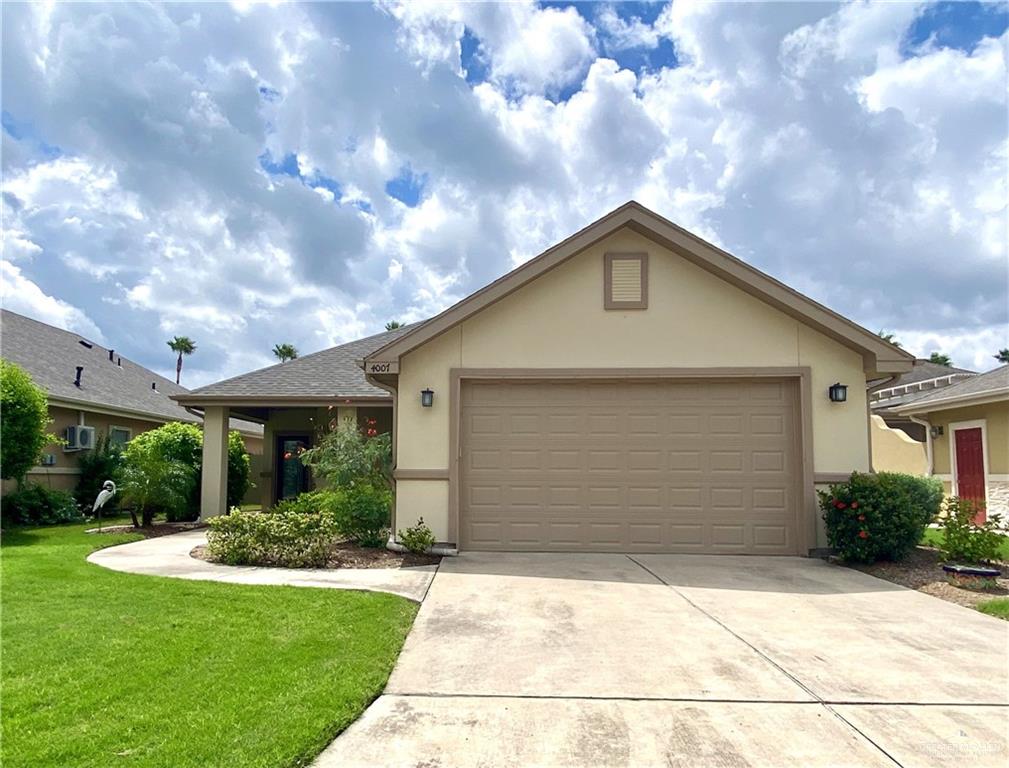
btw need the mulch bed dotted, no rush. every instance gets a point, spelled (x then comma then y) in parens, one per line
(149, 531)
(346, 554)
(922, 570)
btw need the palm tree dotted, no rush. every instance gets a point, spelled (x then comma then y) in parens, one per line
(392, 325)
(183, 345)
(1003, 355)
(285, 352)
(888, 337)
(940, 359)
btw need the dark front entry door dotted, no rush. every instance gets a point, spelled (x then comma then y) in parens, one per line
(970, 468)
(292, 476)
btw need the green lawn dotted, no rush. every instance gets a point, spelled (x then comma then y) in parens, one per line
(999, 607)
(933, 538)
(110, 669)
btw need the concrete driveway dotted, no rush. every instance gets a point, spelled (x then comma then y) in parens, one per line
(669, 660)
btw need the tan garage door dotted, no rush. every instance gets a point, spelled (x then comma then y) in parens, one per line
(651, 466)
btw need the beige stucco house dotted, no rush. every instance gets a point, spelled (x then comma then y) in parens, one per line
(93, 393)
(899, 440)
(967, 437)
(633, 388)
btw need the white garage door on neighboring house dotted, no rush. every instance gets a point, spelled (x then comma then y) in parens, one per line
(630, 466)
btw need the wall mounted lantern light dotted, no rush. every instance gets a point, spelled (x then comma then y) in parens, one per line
(936, 431)
(427, 397)
(838, 393)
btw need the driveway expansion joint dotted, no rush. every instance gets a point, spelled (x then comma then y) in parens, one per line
(768, 659)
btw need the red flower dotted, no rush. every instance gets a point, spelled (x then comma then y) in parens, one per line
(854, 505)
(860, 517)
(863, 534)
(841, 505)
(287, 455)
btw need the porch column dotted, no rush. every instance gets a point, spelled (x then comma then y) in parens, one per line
(214, 491)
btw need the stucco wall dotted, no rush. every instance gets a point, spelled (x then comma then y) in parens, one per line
(693, 320)
(894, 451)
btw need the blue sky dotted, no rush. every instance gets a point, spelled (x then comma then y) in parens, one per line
(248, 175)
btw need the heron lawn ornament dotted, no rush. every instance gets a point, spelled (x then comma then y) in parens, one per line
(107, 492)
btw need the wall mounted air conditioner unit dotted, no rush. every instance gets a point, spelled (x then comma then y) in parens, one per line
(78, 438)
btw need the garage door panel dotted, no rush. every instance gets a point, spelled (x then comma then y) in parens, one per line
(634, 466)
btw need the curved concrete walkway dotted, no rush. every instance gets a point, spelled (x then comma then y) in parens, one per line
(169, 556)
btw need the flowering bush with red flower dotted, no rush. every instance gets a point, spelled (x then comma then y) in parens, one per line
(879, 516)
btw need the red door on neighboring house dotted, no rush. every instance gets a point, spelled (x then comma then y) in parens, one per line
(970, 468)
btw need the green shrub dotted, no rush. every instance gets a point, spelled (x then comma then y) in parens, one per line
(879, 516)
(38, 505)
(183, 443)
(280, 538)
(417, 538)
(363, 514)
(103, 463)
(964, 540)
(324, 502)
(345, 457)
(25, 423)
(239, 468)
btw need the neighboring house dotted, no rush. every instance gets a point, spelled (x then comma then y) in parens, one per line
(898, 442)
(94, 388)
(887, 395)
(632, 389)
(967, 427)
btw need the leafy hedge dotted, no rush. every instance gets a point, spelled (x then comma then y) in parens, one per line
(282, 538)
(879, 516)
(38, 505)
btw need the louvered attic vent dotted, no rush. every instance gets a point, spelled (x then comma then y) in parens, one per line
(626, 281)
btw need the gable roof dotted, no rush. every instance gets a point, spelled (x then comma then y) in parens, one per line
(327, 375)
(51, 355)
(879, 356)
(992, 386)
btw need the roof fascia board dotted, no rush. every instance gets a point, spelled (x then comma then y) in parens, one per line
(878, 355)
(949, 403)
(278, 401)
(109, 410)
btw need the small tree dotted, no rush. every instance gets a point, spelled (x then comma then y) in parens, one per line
(24, 422)
(153, 482)
(940, 359)
(1002, 355)
(285, 352)
(345, 457)
(183, 443)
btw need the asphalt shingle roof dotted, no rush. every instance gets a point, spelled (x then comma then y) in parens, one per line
(51, 355)
(330, 373)
(923, 371)
(994, 382)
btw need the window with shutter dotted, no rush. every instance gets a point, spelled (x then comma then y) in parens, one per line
(626, 281)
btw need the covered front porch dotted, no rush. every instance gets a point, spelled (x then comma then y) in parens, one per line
(289, 429)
